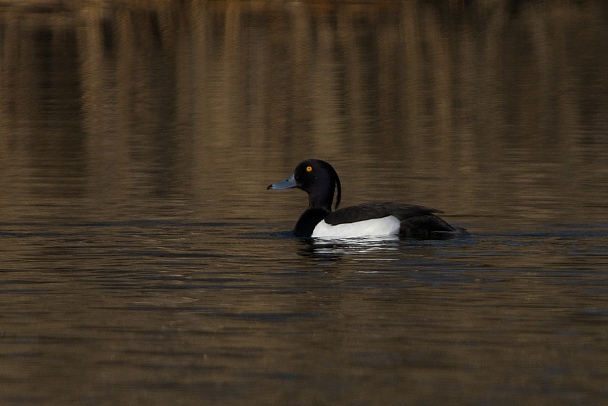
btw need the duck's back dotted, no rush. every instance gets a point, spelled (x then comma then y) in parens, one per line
(367, 211)
(416, 221)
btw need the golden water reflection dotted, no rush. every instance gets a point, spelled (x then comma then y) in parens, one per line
(483, 110)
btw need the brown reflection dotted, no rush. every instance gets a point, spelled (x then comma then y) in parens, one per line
(188, 109)
(481, 109)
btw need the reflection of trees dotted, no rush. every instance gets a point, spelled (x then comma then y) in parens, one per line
(475, 95)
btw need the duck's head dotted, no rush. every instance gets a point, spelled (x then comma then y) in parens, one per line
(317, 178)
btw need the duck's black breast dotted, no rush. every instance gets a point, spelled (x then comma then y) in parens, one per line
(308, 221)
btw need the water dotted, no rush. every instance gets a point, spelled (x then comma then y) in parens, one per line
(143, 261)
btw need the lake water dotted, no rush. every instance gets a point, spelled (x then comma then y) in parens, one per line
(143, 261)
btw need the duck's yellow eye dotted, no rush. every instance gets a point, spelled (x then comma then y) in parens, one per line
(309, 168)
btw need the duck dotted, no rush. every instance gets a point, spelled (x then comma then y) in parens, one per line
(320, 180)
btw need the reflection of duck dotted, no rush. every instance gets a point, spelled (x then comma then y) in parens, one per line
(319, 179)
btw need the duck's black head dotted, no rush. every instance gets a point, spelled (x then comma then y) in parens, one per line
(317, 178)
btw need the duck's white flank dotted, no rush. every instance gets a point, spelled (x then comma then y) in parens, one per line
(383, 226)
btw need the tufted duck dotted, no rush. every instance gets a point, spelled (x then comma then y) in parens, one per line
(319, 179)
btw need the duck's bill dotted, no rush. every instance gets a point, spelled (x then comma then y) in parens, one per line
(288, 183)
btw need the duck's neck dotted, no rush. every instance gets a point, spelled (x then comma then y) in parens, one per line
(322, 197)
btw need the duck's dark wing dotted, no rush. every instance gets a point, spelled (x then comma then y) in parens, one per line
(416, 221)
(367, 211)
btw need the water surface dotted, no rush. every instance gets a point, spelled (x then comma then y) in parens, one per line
(143, 261)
